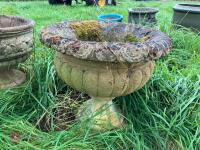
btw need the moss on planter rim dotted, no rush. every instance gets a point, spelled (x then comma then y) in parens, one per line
(87, 30)
(91, 31)
(133, 38)
(105, 41)
(130, 38)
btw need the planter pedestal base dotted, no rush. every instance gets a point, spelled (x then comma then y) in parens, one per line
(102, 113)
(11, 78)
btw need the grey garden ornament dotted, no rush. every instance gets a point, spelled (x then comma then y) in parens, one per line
(142, 15)
(16, 42)
(187, 15)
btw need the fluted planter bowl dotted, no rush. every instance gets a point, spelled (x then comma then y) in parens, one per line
(104, 61)
(16, 42)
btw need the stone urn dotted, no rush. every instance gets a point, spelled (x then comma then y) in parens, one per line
(187, 15)
(16, 42)
(143, 16)
(104, 60)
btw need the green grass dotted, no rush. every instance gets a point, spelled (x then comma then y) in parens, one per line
(165, 114)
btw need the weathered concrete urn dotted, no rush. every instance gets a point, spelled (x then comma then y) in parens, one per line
(143, 16)
(16, 42)
(104, 60)
(187, 15)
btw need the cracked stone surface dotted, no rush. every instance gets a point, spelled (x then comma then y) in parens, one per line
(16, 46)
(16, 39)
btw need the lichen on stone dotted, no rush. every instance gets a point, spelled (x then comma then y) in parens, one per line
(144, 39)
(130, 38)
(87, 30)
(133, 38)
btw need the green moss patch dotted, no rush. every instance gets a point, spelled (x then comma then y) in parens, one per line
(133, 38)
(130, 38)
(87, 30)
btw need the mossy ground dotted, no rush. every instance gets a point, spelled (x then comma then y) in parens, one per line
(165, 114)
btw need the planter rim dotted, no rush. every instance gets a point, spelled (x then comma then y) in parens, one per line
(143, 10)
(188, 8)
(62, 38)
(26, 25)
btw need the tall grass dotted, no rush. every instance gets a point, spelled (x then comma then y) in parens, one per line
(165, 114)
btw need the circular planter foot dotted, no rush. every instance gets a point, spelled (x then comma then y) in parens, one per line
(102, 114)
(11, 78)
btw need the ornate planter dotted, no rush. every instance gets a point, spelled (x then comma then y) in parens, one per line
(187, 15)
(16, 42)
(143, 16)
(105, 61)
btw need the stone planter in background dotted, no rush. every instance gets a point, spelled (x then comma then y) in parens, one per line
(16, 42)
(143, 16)
(104, 61)
(187, 15)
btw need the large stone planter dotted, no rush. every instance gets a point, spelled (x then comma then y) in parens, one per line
(143, 16)
(16, 42)
(105, 63)
(187, 15)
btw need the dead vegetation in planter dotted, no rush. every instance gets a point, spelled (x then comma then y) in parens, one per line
(87, 30)
(63, 113)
